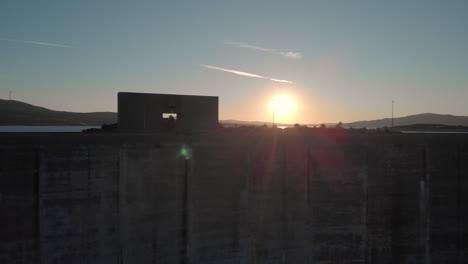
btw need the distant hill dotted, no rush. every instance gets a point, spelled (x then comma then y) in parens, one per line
(15, 113)
(427, 118)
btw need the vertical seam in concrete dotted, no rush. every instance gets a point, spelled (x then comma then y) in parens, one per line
(283, 202)
(308, 224)
(459, 190)
(88, 198)
(308, 178)
(38, 210)
(249, 218)
(424, 207)
(185, 210)
(428, 208)
(121, 170)
(366, 189)
(422, 211)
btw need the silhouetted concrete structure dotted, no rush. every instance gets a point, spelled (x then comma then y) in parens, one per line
(158, 112)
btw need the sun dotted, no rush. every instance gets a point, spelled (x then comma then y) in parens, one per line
(282, 105)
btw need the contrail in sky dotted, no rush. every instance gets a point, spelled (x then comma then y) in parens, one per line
(244, 73)
(39, 43)
(279, 80)
(289, 54)
(233, 71)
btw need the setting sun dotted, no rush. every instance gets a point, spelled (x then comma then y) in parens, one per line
(283, 105)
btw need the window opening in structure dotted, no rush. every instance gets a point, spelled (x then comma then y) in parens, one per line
(170, 116)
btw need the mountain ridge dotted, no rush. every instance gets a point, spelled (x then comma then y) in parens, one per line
(17, 113)
(424, 118)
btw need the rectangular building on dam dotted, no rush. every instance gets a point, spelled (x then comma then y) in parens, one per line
(163, 112)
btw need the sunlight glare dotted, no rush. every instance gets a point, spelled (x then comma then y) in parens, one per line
(283, 105)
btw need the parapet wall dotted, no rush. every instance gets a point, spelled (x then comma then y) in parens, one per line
(234, 197)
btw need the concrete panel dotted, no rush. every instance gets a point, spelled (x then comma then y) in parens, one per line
(18, 205)
(150, 204)
(78, 205)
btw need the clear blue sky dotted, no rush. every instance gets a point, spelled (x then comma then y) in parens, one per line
(347, 59)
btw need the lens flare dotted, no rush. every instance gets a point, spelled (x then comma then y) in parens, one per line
(185, 153)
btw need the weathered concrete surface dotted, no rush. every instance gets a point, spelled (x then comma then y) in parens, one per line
(234, 197)
(18, 206)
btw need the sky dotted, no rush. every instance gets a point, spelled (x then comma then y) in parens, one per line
(337, 60)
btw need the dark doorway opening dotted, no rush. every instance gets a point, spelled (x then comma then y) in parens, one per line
(170, 120)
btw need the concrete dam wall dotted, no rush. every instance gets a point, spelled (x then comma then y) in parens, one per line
(234, 197)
